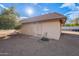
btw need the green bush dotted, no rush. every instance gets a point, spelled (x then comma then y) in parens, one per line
(71, 24)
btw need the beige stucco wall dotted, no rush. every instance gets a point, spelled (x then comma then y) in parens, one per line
(49, 29)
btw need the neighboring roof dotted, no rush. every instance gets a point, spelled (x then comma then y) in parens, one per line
(50, 16)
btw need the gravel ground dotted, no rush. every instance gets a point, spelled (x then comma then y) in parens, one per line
(23, 45)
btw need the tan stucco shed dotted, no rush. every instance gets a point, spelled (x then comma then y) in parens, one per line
(48, 25)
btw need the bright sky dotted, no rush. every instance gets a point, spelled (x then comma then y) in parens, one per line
(36, 9)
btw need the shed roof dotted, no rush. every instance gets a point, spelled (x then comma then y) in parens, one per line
(50, 16)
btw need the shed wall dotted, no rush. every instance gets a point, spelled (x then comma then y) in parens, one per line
(49, 29)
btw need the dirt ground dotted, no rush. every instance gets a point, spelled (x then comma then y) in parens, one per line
(24, 45)
(6, 32)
